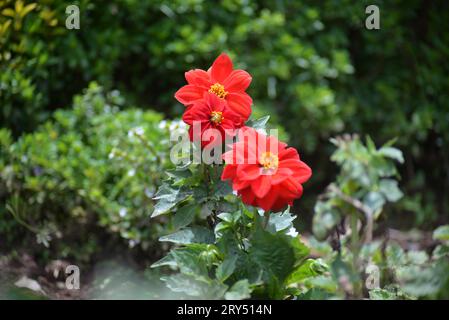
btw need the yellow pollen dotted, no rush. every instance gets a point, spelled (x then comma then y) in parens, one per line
(216, 117)
(269, 161)
(219, 90)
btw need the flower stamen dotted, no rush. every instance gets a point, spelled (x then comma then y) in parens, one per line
(216, 117)
(218, 90)
(269, 161)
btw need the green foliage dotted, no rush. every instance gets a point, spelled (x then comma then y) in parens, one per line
(315, 68)
(225, 249)
(347, 215)
(364, 185)
(92, 167)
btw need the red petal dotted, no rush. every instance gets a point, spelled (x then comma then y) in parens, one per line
(278, 146)
(267, 202)
(240, 184)
(303, 173)
(238, 81)
(248, 196)
(198, 77)
(281, 175)
(290, 163)
(221, 68)
(240, 103)
(248, 172)
(280, 203)
(261, 186)
(199, 111)
(214, 102)
(229, 172)
(188, 94)
(290, 188)
(289, 153)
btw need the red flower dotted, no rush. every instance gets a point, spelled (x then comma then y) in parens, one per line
(223, 81)
(211, 112)
(265, 172)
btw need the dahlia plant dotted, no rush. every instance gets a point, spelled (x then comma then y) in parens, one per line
(233, 231)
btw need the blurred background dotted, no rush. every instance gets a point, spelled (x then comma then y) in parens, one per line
(75, 180)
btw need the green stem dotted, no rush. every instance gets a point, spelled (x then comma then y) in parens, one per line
(355, 246)
(266, 219)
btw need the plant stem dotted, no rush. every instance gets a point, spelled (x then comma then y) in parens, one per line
(266, 219)
(355, 251)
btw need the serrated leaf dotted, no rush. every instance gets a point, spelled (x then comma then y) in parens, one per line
(184, 216)
(240, 290)
(309, 268)
(167, 199)
(161, 207)
(165, 261)
(273, 254)
(281, 221)
(190, 235)
(260, 123)
(226, 268)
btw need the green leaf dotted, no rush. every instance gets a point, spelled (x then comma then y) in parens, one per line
(191, 261)
(191, 286)
(324, 220)
(184, 216)
(300, 250)
(382, 294)
(441, 233)
(392, 153)
(167, 198)
(273, 253)
(308, 269)
(190, 235)
(240, 290)
(161, 207)
(374, 200)
(342, 270)
(225, 269)
(168, 260)
(421, 281)
(390, 189)
(222, 188)
(227, 217)
(260, 123)
(281, 221)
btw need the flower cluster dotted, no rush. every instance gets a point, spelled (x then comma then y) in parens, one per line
(263, 171)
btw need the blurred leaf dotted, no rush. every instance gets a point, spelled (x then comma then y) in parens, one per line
(239, 291)
(190, 235)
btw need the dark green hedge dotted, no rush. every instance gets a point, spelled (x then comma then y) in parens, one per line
(314, 65)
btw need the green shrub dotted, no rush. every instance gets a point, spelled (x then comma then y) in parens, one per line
(313, 63)
(90, 172)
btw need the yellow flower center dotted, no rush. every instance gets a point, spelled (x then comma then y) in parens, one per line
(219, 90)
(216, 117)
(269, 161)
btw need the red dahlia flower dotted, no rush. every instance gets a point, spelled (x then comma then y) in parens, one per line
(222, 80)
(265, 172)
(211, 112)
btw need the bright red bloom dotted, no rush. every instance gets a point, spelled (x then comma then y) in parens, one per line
(222, 80)
(265, 172)
(211, 112)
